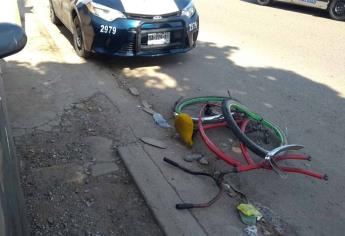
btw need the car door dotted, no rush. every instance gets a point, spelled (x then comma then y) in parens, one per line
(312, 3)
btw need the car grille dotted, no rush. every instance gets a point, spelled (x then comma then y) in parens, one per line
(150, 17)
(138, 41)
(177, 34)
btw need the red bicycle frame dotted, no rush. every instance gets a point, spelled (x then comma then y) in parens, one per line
(250, 163)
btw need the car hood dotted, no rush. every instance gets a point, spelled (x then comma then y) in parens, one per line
(150, 7)
(146, 7)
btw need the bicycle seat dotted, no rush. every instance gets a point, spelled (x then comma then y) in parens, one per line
(12, 39)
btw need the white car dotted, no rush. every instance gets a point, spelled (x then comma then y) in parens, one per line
(336, 8)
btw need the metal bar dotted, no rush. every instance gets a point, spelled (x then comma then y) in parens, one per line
(305, 172)
(217, 125)
(161, 30)
(244, 168)
(300, 157)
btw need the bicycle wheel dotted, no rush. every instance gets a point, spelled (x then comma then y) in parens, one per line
(228, 106)
(192, 106)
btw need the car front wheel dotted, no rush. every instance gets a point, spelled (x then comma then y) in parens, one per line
(264, 2)
(78, 40)
(337, 9)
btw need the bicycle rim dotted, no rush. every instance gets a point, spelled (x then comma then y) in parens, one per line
(229, 105)
(185, 103)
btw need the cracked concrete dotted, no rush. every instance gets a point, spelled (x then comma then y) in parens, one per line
(73, 180)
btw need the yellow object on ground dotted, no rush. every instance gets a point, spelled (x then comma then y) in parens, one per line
(184, 127)
(249, 210)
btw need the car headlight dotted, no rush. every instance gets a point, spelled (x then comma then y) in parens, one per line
(189, 10)
(104, 12)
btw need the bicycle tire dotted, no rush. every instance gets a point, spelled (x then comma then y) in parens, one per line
(229, 104)
(180, 105)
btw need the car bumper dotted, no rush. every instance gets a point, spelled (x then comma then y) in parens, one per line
(131, 36)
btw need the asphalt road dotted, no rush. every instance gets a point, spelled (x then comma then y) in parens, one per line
(285, 62)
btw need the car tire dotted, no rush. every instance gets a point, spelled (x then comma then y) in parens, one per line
(53, 18)
(78, 40)
(264, 2)
(336, 10)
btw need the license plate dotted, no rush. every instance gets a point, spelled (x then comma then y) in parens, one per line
(158, 38)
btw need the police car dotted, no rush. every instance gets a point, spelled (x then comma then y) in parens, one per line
(128, 27)
(336, 8)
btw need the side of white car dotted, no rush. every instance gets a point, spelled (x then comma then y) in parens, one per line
(336, 8)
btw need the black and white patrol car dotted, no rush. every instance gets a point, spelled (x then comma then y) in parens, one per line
(128, 27)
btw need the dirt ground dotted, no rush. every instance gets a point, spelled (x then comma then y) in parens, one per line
(95, 195)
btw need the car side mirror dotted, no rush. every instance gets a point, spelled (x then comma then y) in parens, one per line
(12, 39)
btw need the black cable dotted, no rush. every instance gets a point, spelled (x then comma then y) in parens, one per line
(217, 179)
(173, 163)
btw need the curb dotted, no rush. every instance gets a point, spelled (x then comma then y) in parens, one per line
(159, 195)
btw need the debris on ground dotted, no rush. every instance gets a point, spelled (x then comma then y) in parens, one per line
(146, 104)
(223, 145)
(249, 210)
(154, 142)
(203, 161)
(147, 107)
(248, 220)
(149, 110)
(160, 120)
(231, 191)
(251, 230)
(193, 157)
(184, 126)
(236, 150)
(196, 157)
(272, 223)
(248, 213)
(133, 91)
